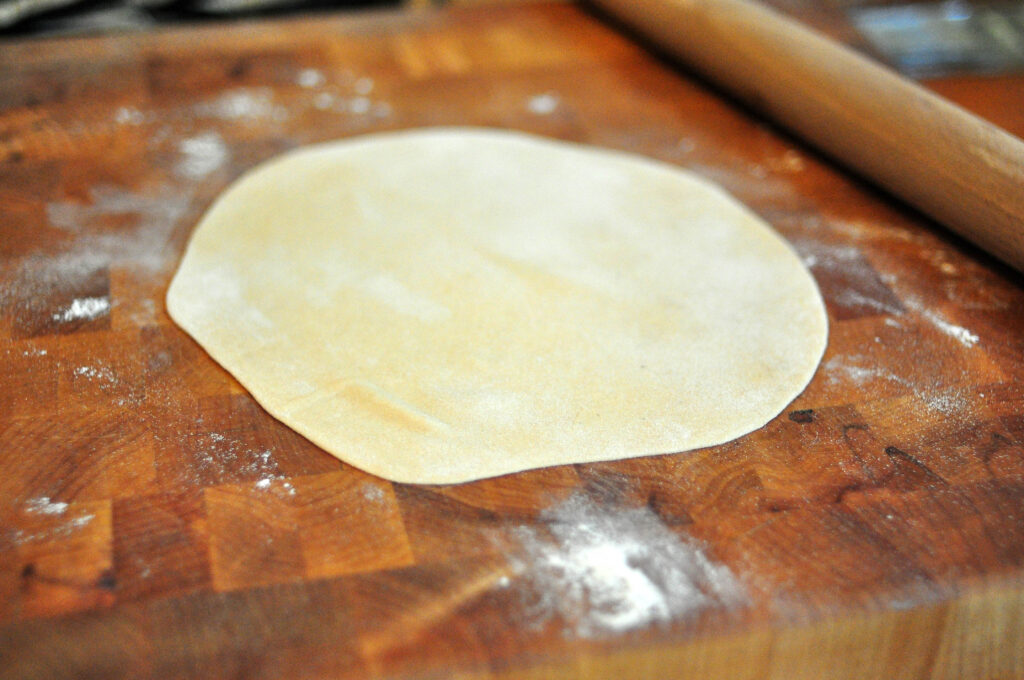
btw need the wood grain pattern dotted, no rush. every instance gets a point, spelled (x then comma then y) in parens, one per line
(155, 522)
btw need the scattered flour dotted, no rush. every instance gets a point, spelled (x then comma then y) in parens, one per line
(97, 373)
(243, 104)
(359, 105)
(59, 531)
(831, 257)
(44, 506)
(608, 571)
(858, 370)
(267, 482)
(373, 493)
(839, 370)
(84, 309)
(966, 337)
(310, 77)
(961, 334)
(129, 115)
(851, 298)
(34, 352)
(201, 155)
(543, 104)
(141, 244)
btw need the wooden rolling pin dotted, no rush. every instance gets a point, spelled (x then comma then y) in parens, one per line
(963, 171)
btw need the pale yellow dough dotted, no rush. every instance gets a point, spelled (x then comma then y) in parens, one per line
(444, 305)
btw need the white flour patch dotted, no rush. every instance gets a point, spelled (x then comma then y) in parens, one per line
(947, 403)
(34, 352)
(964, 336)
(373, 493)
(845, 259)
(851, 298)
(59, 531)
(243, 104)
(310, 77)
(268, 482)
(858, 371)
(606, 571)
(138, 240)
(840, 369)
(97, 374)
(359, 106)
(128, 115)
(543, 104)
(201, 155)
(44, 506)
(142, 244)
(84, 309)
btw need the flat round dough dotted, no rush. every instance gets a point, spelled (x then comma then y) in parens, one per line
(443, 305)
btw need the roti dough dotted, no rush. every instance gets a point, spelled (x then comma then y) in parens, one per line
(443, 305)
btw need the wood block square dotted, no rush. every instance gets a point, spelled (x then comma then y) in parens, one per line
(160, 545)
(277, 530)
(30, 379)
(350, 522)
(65, 555)
(57, 295)
(254, 537)
(80, 455)
(447, 527)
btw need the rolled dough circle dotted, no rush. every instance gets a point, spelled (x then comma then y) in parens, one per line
(450, 304)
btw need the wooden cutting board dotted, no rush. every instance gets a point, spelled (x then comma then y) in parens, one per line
(155, 522)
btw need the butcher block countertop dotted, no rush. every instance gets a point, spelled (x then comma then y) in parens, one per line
(155, 522)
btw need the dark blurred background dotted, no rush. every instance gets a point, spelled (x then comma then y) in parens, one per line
(921, 38)
(63, 17)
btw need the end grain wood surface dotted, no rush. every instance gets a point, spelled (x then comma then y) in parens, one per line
(156, 523)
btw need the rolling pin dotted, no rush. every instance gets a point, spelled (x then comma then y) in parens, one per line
(961, 170)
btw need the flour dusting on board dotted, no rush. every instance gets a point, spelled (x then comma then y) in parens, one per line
(612, 570)
(965, 337)
(243, 104)
(84, 309)
(201, 155)
(141, 243)
(65, 528)
(113, 227)
(44, 506)
(543, 104)
(310, 77)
